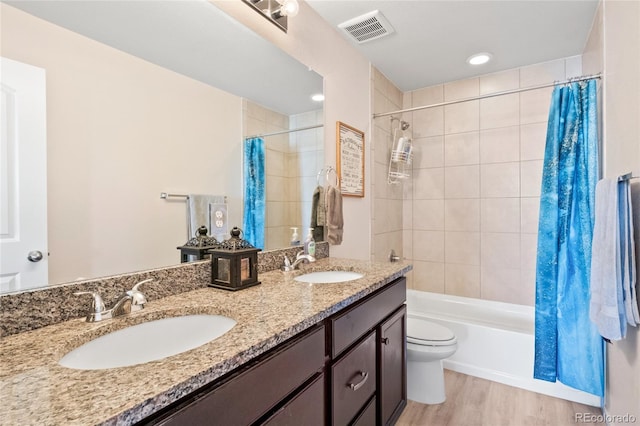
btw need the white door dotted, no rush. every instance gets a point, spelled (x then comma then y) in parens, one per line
(23, 177)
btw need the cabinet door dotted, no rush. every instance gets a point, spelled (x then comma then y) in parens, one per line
(306, 408)
(392, 344)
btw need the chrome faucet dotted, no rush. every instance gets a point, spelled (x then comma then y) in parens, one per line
(300, 258)
(131, 301)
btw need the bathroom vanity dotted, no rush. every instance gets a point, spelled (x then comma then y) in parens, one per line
(299, 354)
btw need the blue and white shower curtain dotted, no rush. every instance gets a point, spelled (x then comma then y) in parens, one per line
(567, 345)
(254, 192)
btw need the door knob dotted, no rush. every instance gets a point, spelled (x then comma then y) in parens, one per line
(35, 256)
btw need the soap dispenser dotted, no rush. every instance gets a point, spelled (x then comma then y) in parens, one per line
(295, 239)
(310, 244)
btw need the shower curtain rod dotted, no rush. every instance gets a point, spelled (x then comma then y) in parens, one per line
(284, 131)
(490, 95)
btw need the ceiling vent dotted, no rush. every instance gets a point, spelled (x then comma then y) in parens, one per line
(367, 27)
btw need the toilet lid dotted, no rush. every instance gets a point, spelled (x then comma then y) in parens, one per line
(428, 333)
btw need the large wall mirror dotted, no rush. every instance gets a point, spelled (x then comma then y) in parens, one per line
(150, 97)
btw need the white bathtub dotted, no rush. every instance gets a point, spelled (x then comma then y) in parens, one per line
(495, 341)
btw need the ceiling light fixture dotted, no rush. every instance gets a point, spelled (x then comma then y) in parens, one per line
(276, 11)
(479, 58)
(318, 97)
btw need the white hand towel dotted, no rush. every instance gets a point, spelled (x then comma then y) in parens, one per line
(628, 255)
(606, 292)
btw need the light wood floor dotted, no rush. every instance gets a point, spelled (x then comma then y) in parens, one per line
(476, 402)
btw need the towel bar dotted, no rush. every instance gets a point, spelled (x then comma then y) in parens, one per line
(165, 195)
(627, 176)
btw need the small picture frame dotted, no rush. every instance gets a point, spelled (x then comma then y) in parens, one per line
(350, 160)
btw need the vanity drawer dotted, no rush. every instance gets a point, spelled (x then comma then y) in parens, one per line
(347, 327)
(368, 415)
(353, 381)
(304, 409)
(244, 398)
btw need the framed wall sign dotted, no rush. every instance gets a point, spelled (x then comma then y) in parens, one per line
(350, 160)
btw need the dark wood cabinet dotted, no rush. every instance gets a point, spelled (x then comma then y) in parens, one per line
(392, 375)
(348, 370)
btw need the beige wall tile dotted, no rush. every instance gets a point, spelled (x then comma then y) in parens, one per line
(462, 280)
(407, 244)
(461, 149)
(573, 66)
(428, 246)
(501, 111)
(542, 73)
(461, 89)
(527, 291)
(407, 214)
(428, 152)
(428, 122)
(462, 182)
(500, 145)
(500, 81)
(500, 250)
(528, 251)
(502, 285)
(500, 180)
(462, 247)
(274, 187)
(427, 96)
(533, 138)
(428, 184)
(429, 215)
(428, 276)
(530, 212)
(462, 215)
(462, 117)
(531, 175)
(500, 215)
(534, 105)
(276, 213)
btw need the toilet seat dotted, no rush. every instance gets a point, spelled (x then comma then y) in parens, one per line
(426, 333)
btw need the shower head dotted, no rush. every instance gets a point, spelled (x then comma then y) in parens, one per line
(404, 125)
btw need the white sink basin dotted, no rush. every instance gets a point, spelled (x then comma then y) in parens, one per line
(148, 341)
(328, 277)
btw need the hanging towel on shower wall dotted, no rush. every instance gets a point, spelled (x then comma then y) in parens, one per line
(254, 192)
(613, 297)
(568, 347)
(335, 221)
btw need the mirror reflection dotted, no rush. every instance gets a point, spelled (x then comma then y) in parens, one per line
(140, 100)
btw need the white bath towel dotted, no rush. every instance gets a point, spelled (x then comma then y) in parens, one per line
(628, 255)
(606, 308)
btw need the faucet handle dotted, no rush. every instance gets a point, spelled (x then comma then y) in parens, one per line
(97, 305)
(287, 262)
(137, 297)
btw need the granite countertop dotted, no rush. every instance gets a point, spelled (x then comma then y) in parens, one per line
(34, 389)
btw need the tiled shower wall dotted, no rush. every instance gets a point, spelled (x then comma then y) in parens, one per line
(471, 208)
(292, 162)
(387, 203)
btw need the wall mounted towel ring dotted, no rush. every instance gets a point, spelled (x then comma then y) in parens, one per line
(327, 170)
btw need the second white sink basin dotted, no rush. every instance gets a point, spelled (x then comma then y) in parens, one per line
(328, 277)
(148, 341)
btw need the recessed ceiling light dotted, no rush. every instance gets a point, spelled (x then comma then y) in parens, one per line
(479, 58)
(319, 97)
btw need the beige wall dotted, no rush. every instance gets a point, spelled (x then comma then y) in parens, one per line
(614, 47)
(471, 208)
(120, 131)
(387, 205)
(312, 41)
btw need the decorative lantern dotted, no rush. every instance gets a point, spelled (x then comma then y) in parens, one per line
(234, 263)
(198, 246)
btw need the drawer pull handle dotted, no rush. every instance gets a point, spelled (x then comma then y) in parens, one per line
(356, 386)
(385, 340)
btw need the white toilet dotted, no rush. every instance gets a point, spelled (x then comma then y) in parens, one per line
(428, 344)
